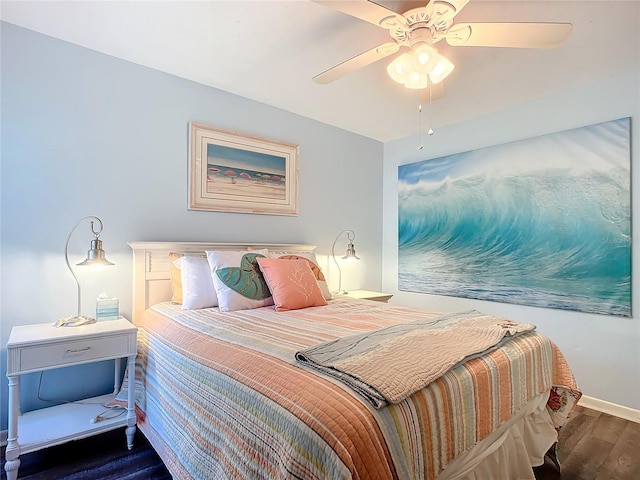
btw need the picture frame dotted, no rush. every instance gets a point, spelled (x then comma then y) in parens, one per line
(236, 172)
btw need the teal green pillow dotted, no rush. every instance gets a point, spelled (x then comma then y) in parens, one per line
(237, 279)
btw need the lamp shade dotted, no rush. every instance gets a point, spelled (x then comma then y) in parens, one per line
(95, 255)
(424, 58)
(417, 80)
(441, 70)
(400, 67)
(351, 253)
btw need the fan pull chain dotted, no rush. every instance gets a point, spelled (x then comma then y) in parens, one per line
(430, 131)
(420, 146)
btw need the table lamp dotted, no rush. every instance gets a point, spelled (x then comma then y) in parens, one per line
(350, 255)
(95, 258)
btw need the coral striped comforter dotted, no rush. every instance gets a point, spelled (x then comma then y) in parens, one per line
(221, 395)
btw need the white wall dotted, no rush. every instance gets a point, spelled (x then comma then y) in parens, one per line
(603, 351)
(88, 134)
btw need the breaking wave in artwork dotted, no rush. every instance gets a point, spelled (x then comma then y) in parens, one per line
(553, 237)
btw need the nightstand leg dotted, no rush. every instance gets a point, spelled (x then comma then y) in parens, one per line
(13, 447)
(116, 375)
(130, 432)
(11, 467)
(131, 406)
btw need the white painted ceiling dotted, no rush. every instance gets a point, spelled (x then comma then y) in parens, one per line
(269, 51)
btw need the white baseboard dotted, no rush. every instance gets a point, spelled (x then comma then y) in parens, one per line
(610, 408)
(3, 438)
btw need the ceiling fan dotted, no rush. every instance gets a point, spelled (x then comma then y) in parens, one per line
(419, 29)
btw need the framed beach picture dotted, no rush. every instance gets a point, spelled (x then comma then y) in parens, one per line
(235, 172)
(544, 222)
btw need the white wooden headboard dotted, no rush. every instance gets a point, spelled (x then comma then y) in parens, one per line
(151, 273)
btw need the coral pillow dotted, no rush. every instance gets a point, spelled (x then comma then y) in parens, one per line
(292, 283)
(311, 258)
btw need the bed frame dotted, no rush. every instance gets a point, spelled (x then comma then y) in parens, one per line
(151, 269)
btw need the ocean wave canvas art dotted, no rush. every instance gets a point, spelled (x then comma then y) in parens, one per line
(544, 222)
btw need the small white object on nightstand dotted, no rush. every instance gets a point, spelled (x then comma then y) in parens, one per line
(369, 295)
(40, 347)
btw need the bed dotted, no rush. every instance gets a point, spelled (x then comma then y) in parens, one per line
(220, 395)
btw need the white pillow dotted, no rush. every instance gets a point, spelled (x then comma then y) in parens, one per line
(237, 279)
(197, 286)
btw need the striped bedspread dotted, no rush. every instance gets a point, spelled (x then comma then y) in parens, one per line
(221, 396)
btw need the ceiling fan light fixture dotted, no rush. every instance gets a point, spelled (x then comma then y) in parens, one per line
(403, 69)
(400, 68)
(417, 80)
(425, 58)
(441, 70)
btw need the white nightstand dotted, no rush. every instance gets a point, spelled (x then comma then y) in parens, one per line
(369, 295)
(35, 348)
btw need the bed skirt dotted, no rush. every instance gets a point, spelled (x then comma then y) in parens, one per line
(512, 450)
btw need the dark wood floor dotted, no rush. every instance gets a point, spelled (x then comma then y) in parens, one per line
(102, 457)
(593, 446)
(596, 446)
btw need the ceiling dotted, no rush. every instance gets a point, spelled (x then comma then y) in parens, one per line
(269, 51)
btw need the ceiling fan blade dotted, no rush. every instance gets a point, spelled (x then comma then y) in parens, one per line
(515, 35)
(367, 11)
(359, 61)
(446, 10)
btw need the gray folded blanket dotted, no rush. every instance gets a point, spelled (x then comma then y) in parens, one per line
(387, 365)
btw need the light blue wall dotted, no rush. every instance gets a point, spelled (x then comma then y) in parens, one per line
(603, 351)
(88, 134)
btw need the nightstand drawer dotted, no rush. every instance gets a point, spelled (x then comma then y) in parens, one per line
(73, 352)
